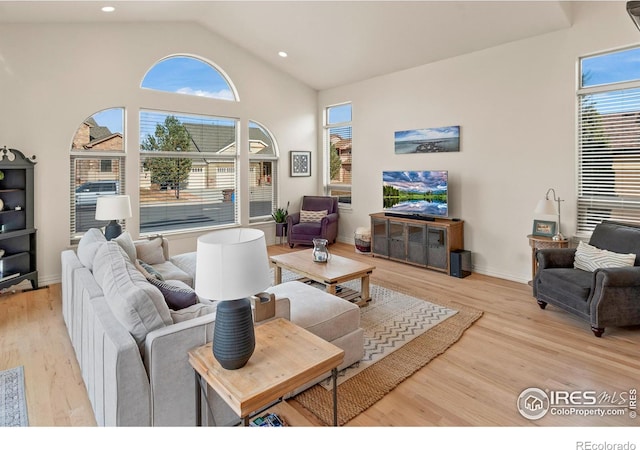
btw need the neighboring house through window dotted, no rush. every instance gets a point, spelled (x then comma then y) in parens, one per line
(338, 152)
(97, 167)
(608, 139)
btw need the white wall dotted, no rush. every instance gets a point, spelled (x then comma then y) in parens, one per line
(52, 77)
(515, 105)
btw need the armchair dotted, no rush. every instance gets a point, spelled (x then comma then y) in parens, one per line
(604, 297)
(305, 232)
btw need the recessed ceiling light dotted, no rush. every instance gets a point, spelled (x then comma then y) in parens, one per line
(108, 9)
(282, 54)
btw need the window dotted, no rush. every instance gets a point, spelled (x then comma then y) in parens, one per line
(188, 167)
(608, 139)
(97, 167)
(190, 76)
(263, 160)
(338, 161)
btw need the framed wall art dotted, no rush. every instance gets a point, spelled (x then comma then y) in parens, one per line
(300, 163)
(544, 228)
(428, 140)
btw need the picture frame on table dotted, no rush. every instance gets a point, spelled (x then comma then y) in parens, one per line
(300, 163)
(544, 228)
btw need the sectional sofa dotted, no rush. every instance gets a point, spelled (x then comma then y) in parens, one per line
(131, 323)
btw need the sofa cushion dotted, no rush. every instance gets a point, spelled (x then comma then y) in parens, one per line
(574, 285)
(138, 305)
(312, 216)
(88, 246)
(150, 251)
(323, 314)
(187, 263)
(176, 293)
(126, 242)
(193, 311)
(590, 258)
(170, 271)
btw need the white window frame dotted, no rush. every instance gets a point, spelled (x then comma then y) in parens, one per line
(619, 199)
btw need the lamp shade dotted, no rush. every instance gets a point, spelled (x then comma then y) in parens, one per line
(232, 264)
(546, 207)
(113, 207)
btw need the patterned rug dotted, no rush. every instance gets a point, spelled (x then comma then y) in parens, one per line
(391, 320)
(13, 404)
(402, 334)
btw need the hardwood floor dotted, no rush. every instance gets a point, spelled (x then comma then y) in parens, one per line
(515, 345)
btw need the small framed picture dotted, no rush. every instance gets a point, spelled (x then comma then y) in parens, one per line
(544, 228)
(300, 163)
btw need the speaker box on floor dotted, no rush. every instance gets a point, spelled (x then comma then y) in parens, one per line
(460, 264)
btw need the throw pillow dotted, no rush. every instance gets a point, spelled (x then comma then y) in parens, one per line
(148, 270)
(88, 246)
(150, 251)
(177, 294)
(312, 216)
(126, 242)
(590, 258)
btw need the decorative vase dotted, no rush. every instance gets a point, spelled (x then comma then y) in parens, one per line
(320, 252)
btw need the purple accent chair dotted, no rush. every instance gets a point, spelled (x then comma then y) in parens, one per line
(305, 232)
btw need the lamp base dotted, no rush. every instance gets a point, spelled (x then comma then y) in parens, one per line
(233, 336)
(558, 237)
(112, 230)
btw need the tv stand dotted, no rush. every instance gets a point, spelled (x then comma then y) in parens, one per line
(418, 240)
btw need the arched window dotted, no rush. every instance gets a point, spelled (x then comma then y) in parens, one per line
(263, 163)
(97, 166)
(190, 76)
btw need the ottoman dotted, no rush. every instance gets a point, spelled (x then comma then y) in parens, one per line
(333, 319)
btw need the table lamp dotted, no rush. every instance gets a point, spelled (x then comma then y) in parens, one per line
(113, 208)
(546, 206)
(232, 265)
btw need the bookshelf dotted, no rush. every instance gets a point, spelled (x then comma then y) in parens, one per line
(17, 231)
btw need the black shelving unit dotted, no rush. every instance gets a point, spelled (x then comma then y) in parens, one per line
(17, 232)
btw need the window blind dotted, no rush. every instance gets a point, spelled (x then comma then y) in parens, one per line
(608, 158)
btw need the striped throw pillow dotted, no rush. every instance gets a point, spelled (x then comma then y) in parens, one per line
(312, 216)
(590, 258)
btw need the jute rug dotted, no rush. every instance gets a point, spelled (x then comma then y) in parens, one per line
(13, 404)
(370, 384)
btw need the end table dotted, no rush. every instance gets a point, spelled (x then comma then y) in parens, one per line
(286, 357)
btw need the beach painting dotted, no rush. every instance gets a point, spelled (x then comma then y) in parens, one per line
(428, 140)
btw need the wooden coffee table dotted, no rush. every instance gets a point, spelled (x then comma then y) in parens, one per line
(286, 357)
(335, 271)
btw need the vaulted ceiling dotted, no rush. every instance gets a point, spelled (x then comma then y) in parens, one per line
(329, 43)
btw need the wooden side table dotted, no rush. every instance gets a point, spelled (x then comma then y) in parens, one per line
(540, 242)
(286, 357)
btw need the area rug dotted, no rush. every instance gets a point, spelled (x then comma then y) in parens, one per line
(13, 404)
(365, 385)
(390, 320)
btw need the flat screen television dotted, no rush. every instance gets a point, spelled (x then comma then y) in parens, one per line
(423, 193)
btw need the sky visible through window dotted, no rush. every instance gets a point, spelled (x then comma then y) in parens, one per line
(187, 75)
(611, 68)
